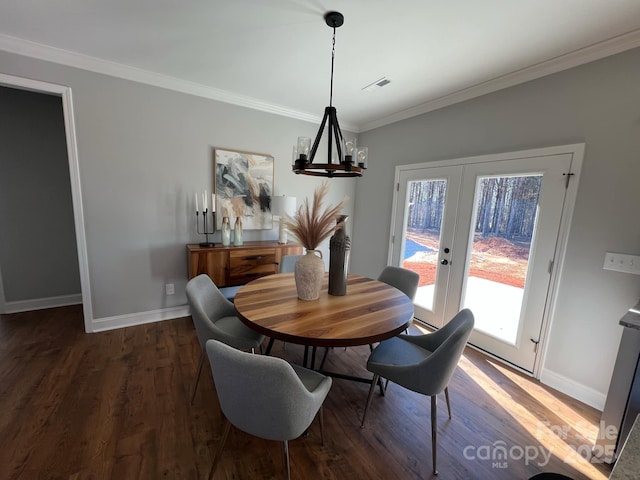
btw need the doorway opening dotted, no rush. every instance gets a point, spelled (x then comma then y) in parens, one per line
(64, 93)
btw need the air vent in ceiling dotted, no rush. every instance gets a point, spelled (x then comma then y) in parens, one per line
(381, 82)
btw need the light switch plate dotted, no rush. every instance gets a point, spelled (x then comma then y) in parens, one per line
(621, 262)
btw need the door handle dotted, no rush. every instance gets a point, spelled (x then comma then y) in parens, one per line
(535, 345)
(444, 262)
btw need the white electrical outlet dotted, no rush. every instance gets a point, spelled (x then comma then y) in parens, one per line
(169, 289)
(622, 262)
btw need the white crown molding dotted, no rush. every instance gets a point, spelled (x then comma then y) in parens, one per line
(113, 69)
(588, 54)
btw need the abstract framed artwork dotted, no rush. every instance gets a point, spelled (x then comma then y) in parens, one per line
(243, 187)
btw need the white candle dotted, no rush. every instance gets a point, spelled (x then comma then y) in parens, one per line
(213, 202)
(204, 200)
(196, 202)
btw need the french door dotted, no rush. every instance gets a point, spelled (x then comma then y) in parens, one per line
(483, 235)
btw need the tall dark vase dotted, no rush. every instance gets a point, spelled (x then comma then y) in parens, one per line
(339, 250)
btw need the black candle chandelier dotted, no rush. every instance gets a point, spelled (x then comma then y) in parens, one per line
(349, 161)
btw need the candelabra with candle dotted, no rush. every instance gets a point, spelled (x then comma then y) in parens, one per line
(203, 226)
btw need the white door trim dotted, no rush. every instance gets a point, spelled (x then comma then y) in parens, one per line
(74, 173)
(577, 152)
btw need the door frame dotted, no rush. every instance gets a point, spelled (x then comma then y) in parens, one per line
(74, 172)
(577, 152)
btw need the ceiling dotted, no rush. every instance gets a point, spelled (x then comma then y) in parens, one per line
(275, 55)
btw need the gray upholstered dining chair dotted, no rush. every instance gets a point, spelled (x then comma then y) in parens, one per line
(214, 318)
(403, 279)
(422, 363)
(265, 396)
(288, 263)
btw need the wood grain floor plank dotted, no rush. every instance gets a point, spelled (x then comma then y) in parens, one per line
(116, 405)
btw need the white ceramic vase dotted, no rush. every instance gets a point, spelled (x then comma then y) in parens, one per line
(309, 275)
(237, 232)
(226, 231)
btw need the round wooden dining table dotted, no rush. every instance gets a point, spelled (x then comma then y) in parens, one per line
(371, 311)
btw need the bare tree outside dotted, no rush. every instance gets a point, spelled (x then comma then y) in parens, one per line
(506, 209)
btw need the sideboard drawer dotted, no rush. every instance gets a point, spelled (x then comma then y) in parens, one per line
(214, 263)
(246, 265)
(231, 265)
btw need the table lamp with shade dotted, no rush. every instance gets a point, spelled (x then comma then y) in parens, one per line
(281, 206)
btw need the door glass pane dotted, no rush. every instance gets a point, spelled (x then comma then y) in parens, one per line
(504, 224)
(421, 243)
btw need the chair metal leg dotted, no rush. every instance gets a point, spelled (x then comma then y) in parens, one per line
(269, 346)
(324, 358)
(434, 425)
(446, 395)
(383, 388)
(218, 455)
(197, 379)
(321, 426)
(287, 468)
(374, 382)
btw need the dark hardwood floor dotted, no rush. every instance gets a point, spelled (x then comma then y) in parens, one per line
(115, 405)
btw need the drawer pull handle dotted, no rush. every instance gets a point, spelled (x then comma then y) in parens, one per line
(255, 257)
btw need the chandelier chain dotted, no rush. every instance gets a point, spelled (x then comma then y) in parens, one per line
(333, 55)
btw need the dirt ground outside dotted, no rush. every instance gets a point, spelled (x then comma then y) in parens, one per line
(495, 259)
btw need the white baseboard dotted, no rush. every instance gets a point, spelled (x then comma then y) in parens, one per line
(42, 303)
(140, 318)
(574, 389)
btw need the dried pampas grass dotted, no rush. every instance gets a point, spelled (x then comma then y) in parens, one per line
(311, 226)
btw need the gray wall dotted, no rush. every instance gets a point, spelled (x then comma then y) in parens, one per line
(598, 104)
(38, 254)
(143, 152)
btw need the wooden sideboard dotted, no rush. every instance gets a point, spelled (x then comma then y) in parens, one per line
(230, 266)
